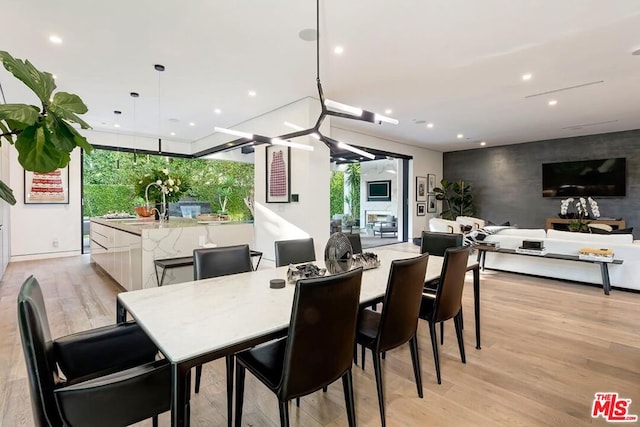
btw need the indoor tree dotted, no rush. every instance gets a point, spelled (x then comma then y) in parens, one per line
(43, 136)
(456, 197)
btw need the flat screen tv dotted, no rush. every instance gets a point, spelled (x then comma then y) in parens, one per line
(585, 178)
(379, 191)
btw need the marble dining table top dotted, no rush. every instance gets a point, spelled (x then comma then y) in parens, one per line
(189, 319)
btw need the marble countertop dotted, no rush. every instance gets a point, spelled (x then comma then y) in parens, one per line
(136, 225)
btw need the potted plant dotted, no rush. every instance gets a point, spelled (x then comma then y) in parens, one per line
(153, 182)
(457, 198)
(43, 136)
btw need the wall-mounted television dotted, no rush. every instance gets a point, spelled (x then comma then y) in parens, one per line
(585, 178)
(378, 191)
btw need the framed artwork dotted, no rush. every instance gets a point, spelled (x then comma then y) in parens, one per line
(278, 168)
(431, 183)
(421, 189)
(420, 209)
(46, 188)
(431, 203)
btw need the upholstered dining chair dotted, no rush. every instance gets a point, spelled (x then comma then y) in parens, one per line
(101, 377)
(294, 251)
(436, 243)
(397, 323)
(216, 262)
(317, 350)
(446, 302)
(356, 243)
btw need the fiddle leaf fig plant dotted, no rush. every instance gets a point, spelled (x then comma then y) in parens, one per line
(43, 136)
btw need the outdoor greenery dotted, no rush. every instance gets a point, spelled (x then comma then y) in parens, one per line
(457, 199)
(336, 193)
(345, 188)
(43, 136)
(353, 187)
(208, 180)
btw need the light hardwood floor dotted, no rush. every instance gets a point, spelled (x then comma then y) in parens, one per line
(548, 346)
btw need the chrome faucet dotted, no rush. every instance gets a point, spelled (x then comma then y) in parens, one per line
(163, 190)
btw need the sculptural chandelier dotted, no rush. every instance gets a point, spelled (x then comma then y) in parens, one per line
(329, 108)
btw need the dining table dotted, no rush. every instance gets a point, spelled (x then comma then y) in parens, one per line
(196, 322)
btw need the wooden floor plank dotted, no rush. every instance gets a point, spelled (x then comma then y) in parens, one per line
(548, 346)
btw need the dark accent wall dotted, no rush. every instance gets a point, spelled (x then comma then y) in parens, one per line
(507, 180)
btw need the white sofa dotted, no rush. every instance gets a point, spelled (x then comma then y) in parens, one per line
(626, 275)
(447, 226)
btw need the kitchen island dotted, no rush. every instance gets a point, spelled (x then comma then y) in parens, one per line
(126, 248)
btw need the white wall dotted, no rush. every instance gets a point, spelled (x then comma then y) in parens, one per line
(310, 178)
(34, 228)
(424, 162)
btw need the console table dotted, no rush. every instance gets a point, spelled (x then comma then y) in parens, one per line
(553, 222)
(604, 265)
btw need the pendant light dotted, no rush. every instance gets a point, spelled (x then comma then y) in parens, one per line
(328, 108)
(117, 125)
(159, 68)
(134, 96)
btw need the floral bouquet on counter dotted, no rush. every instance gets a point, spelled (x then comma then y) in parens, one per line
(175, 186)
(579, 218)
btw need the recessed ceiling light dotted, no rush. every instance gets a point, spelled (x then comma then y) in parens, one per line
(55, 39)
(483, 143)
(527, 76)
(252, 93)
(339, 50)
(553, 102)
(429, 125)
(217, 111)
(116, 125)
(191, 124)
(388, 111)
(172, 134)
(460, 136)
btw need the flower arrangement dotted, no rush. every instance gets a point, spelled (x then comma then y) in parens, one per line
(581, 213)
(173, 185)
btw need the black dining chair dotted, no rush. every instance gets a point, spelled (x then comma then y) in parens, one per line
(356, 243)
(436, 243)
(216, 262)
(294, 251)
(446, 302)
(317, 350)
(397, 323)
(101, 377)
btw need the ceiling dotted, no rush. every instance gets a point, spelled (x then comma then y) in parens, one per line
(455, 63)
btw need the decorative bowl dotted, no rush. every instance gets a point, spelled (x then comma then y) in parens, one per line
(143, 211)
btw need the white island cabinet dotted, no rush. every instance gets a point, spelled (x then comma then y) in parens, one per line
(127, 248)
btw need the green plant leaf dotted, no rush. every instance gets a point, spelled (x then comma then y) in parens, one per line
(80, 140)
(59, 134)
(69, 102)
(5, 130)
(22, 115)
(6, 194)
(42, 84)
(37, 153)
(65, 114)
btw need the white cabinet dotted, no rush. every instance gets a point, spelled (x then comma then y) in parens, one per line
(117, 252)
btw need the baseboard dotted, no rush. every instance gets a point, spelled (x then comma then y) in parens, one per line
(46, 255)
